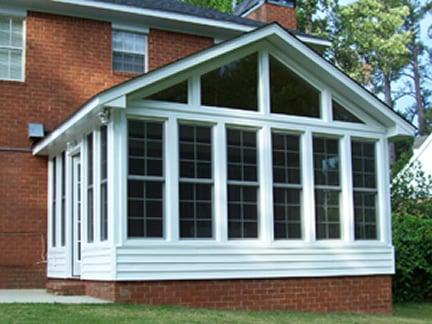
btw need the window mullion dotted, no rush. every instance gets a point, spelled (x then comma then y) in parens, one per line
(308, 187)
(265, 208)
(383, 200)
(171, 150)
(347, 203)
(220, 182)
(264, 82)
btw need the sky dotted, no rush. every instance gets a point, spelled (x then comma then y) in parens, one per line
(402, 103)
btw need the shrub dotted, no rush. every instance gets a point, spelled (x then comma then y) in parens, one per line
(412, 238)
(412, 234)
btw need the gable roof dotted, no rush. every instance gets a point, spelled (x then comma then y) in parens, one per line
(179, 7)
(273, 33)
(185, 8)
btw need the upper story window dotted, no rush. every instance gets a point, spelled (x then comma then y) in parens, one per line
(129, 51)
(11, 49)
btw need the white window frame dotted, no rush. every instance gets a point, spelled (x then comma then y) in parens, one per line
(264, 121)
(16, 15)
(135, 30)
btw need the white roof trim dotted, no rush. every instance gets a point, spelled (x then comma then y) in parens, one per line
(104, 98)
(158, 14)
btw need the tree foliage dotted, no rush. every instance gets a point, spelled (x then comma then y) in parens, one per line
(412, 234)
(412, 192)
(370, 44)
(220, 5)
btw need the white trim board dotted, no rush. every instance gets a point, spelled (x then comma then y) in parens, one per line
(278, 37)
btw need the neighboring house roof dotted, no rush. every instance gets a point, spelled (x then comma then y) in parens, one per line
(422, 154)
(275, 35)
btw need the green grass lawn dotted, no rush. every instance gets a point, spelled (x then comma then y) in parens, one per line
(83, 314)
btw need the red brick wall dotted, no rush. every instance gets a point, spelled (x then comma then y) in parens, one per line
(368, 294)
(270, 13)
(68, 60)
(166, 47)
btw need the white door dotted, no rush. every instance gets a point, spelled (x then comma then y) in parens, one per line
(76, 215)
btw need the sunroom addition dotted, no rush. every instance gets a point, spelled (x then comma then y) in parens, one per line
(239, 162)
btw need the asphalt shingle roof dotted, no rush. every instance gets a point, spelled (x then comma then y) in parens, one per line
(185, 8)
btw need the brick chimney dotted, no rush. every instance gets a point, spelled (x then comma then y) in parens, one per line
(268, 11)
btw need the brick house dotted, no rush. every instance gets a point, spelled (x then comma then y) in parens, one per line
(189, 157)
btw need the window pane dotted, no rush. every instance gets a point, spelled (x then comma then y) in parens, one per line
(54, 204)
(286, 158)
(234, 85)
(327, 214)
(363, 164)
(290, 94)
(177, 93)
(365, 216)
(195, 152)
(242, 155)
(342, 114)
(104, 184)
(4, 31)
(195, 210)
(17, 34)
(4, 64)
(145, 208)
(63, 200)
(145, 148)
(365, 190)
(15, 65)
(196, 199)
(242, 211)
(126, 62)
(326, 161)
(145, 195)
(287, 213)
(90, 201)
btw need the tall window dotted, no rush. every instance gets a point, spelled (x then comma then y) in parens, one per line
(63, 200)
(365, 190)
(145, 179)
(287, 186)
(129, 51)
(327, 188)
(196, 182)
(242, 183)
(90, 198)
(54, 203)
(103, 184)
(11, 48)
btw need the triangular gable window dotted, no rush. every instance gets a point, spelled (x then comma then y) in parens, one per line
(176, 93)
(342, 114)
(290, 94)
(233, 85)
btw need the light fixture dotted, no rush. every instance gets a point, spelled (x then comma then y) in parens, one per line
(104, 116)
